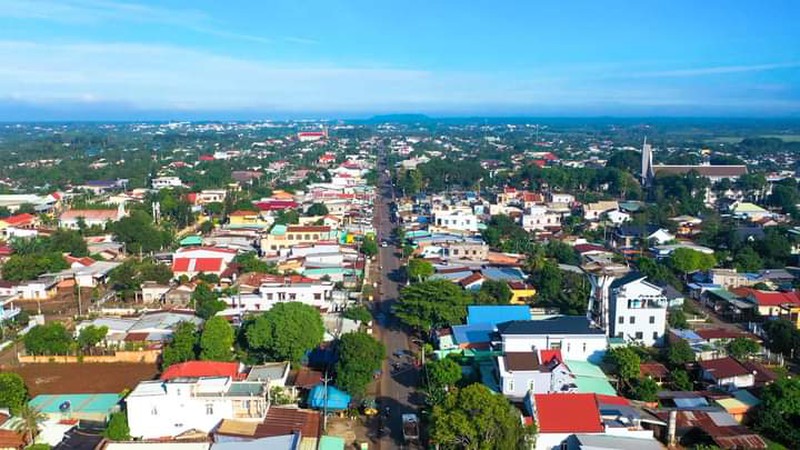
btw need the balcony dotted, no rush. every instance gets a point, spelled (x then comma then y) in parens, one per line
(647, 303)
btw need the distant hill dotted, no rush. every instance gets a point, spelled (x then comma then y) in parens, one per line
(399, 118)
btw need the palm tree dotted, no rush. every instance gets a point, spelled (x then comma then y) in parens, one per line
(31, 417)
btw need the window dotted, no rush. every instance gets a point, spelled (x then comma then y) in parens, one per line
(269, 296)
(639, 335)
(317, 296)
(632, 320)
(511, 385)
(584, 347)
(532, 385)
(621, 320)
(555, 345)
(620, 335)
(655, 335)
(652, 319)
(154, 411)
(568, 346)
(209, 409)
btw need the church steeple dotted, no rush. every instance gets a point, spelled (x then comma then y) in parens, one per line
(647, 164)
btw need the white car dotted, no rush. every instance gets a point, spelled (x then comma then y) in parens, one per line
(384, 244)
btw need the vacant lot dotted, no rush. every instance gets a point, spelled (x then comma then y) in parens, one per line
(83, 378)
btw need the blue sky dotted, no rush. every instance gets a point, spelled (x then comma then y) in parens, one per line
(355, 58)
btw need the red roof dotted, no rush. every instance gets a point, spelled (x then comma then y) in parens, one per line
(191, 197)
(474, 278)
(206, 157)
(723, 368)
(654, 370)
(586, 248)
(567, 413)
(540, 162)
(720, 333)
(197, 265)
(311, 133)
(308, 229)
(548, 355)
(276, 205)
(197, 369)
(766, 298)
(19, 219)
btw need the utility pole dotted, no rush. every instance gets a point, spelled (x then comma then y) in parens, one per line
(325, 381)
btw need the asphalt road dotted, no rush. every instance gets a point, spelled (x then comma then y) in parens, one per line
(400, 376)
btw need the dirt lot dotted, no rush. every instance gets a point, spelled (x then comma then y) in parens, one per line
(83, 378)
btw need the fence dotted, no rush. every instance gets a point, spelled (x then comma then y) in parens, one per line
(122, 356)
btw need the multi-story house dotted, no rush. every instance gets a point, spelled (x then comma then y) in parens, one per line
(283, 236)
(540, 218)
(318, 294)
(637, 310)
(575, 336)
(165, 409)
(455, 221)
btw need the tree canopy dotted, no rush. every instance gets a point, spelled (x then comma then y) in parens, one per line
(419, 269)
(206, 301)
(183, 346)
(51, 338)
(216, 340)
(439, 376)
(494, 292)
(91, 336)
(13, 393)
(285, 332)
(360, 355)
(317, 209)
(686, 260)
(475, 418)
(779, 413)
(128, 277)
(432, 304)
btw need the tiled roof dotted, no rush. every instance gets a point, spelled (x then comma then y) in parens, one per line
(197, 265)
(521, 361)
(90, 214)
(766, 298)
(282, 421)
(308, 229)
(654, 370)
(19, 219)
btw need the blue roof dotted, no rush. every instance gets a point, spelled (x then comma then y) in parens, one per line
(503, 273)
(494, 314)
(337, 399)
(473, 334)
(688, 335)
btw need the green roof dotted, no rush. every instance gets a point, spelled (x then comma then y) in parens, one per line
(191, 240)
(589, 378)
(331, 443)
(278, 230)
(723, 294)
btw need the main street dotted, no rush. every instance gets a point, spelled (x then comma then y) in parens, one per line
(399, 379)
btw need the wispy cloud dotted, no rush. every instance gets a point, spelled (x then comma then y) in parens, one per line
(82, 12)
(300, 40)
(718, 70)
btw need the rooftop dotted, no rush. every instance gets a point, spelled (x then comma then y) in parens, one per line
(555, 325)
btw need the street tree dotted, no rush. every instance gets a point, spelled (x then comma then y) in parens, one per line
(13, 392)
(285, 332)
(419, 269)
(626, 362)
(358, 313)
(216, 340)
(369, 247)
(475, 418)
(432, 304)
(440, 375)
(360, 355)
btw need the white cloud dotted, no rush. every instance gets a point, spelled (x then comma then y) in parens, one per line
(719, 70)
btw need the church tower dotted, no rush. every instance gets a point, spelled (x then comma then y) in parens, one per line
(647, 164)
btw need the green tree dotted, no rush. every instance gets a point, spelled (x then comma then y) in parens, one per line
(747, 260)
(494, 292)
(742, 347)
(419, 269)
(645, 389)
(183, 346)
(31, 418)
(439, 376)
(317, 209)
(432, 304)
(782, 336)
(360, 355)
(68, 241)
(90, 336)
(626, 362)
(779, 413)
(139, 233)
(249, 262)
(679, 353)
(49, 339)
(216, 340)
(285, 332)
(287, 217)
(677, 319)
(13, 392)
(28, 267)
(117, 429)
(681, 381)
(475, 418)
(206, 301)
(358, 313)
(369, 247)
(686, 260)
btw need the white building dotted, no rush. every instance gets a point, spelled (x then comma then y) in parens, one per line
(575, 336)
(637, 310)
(456, 221)
(318, 294)
(539, 217)
(166, 182)
(560, 197)
(163, 409)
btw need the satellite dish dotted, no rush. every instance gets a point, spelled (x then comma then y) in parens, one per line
(64, 407)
